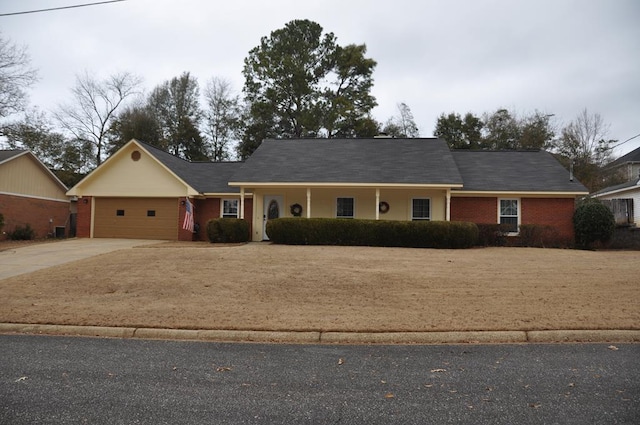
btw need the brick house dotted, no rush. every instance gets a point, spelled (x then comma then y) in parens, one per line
(143, 192)
(31, 194)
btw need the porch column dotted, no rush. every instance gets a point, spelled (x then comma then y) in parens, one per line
(242, 203)
(308, 202)
(377, 203)
(448, 206)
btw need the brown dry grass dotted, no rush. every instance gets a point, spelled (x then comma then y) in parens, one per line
(270, 287)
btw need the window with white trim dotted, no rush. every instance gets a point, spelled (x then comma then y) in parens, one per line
(345, 208)
(230, 208)
(421, 209)
(509, 214)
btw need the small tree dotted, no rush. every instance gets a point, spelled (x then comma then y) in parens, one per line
(593, 222)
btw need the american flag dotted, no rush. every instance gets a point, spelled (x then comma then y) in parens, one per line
(188, 217)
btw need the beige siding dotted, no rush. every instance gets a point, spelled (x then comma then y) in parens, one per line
(24, 175)
(122, 176)
(323, 203)
(135, 223)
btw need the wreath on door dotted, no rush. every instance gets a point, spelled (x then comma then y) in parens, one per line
(383, 207)
(296, 210)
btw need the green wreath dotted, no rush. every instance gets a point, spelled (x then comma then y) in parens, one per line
(296, 210)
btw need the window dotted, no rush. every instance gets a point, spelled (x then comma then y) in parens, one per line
(230, 208)
(421, 209)
(151, 213)
(509, 214)
(345, 208)
(120, 213)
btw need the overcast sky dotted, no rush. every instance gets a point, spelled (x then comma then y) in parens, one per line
(555, 56)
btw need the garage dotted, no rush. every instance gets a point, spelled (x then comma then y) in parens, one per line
(136, 218)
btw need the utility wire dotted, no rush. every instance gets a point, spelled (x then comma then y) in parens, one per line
(622, 143)
(60, 8)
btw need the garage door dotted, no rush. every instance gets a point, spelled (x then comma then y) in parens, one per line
(136, 218)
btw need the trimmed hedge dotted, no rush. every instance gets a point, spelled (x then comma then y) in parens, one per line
(227, 230)
(593, 222)
(336, 231)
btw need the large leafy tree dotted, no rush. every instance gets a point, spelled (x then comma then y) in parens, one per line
(16, 75)
(134, 122)
(300, 83)
(89, 117)
(175, 104)
(460, 132)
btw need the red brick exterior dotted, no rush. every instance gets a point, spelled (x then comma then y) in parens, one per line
(42, 215)
(83, 223)
(554, 212)
(205, 210)
(474, 209)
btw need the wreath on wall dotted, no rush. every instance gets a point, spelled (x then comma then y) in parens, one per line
(383, 207)
(296, 210)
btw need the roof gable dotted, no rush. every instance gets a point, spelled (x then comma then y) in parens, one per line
(514, 171)
(21, 172)
(357, 161)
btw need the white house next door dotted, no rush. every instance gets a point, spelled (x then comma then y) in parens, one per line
(272, 209)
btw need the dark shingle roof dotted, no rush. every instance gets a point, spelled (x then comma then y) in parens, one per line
(378, 160)
(514, 171)
(626, 185)
(633, 156)
(205, 177)
(8, 154)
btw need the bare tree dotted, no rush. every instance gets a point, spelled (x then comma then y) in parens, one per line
(15, 76)
(90, 116)
(222, 118)
(402, 125)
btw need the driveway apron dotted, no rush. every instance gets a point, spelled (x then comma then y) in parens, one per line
(17, 261)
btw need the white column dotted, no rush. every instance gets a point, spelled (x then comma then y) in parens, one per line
(377, 204)
(448, 206)
(308, 202)
(242, 203)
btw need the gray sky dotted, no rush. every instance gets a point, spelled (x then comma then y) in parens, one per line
(555, 56)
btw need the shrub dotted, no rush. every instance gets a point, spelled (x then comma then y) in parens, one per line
(227, 230)
(1, 222)
(331, 231)
(20, 233)
(539, 236)
(491, 234)
(593, 222)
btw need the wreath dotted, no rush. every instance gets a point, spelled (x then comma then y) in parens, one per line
(383, 207)
(296, 210)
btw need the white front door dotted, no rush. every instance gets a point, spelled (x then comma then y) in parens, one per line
(272, 206)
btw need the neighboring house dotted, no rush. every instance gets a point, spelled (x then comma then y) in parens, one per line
(31, 194)
(143, 192)
(627, 166)
(624, 202)
(406, 179)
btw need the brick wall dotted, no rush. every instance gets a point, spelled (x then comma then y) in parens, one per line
(206, 209)
(554, 212)
(42, 215)
(474, 209)
(83, 223)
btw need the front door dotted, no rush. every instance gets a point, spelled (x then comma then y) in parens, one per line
(272, 209)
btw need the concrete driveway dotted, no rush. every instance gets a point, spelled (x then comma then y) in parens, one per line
(30, 258)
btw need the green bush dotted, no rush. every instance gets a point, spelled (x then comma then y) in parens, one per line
(227, 230)
(593, 223)
(332, 231)
(492, 234)
(20, 233)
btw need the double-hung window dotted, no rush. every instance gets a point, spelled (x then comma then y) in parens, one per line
(230, 208)
(421, 209)
(345, 208)
(509, 214)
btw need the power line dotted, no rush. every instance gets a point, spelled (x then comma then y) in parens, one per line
(60, 8)
(622, 143)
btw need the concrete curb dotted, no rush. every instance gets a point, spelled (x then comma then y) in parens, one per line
(318, 337)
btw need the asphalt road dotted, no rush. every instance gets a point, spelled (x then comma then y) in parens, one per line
(74, 380)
